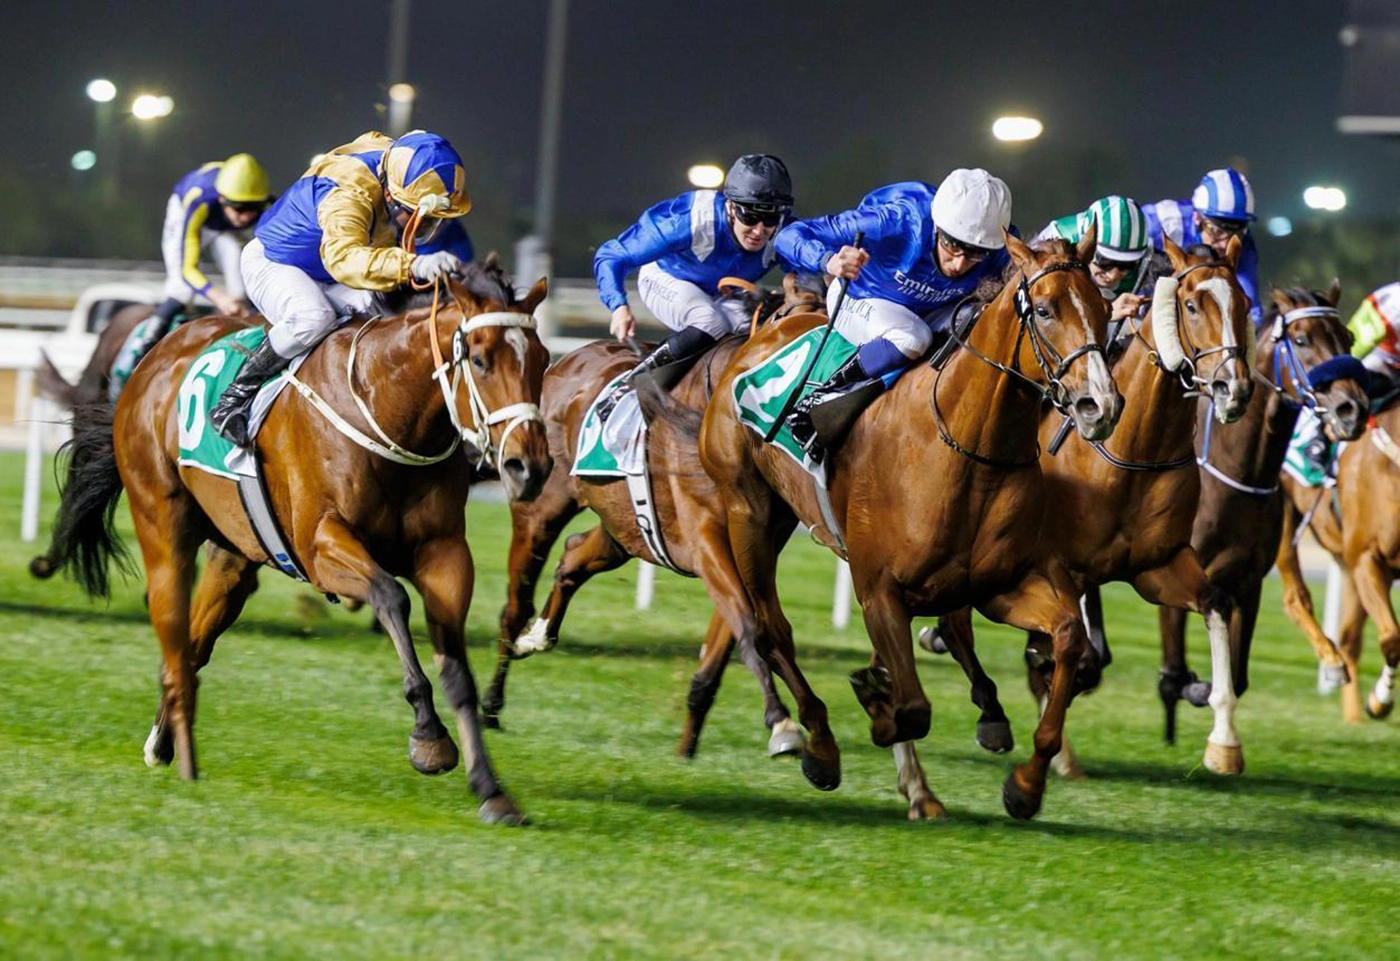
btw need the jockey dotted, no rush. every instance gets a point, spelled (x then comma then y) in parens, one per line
(333, 239)
(684, 247)
(925, 249)
(1376, 327)
(1120, 260)
(1221, 207)
(207, 209)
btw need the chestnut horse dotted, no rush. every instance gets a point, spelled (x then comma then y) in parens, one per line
(1125, 510)
(1362, 533)
(686, 505)
(355, 519)
(932, 527)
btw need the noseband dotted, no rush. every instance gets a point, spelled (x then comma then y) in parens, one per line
(1286, 359)
(1189, 378)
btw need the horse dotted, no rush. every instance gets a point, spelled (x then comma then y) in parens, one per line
(1239, 522)
(1126, 514)
(1360, 527)
(356, 513)
(686, 505)
(932, 527)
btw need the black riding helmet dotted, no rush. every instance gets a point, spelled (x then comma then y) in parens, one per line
(759, 180)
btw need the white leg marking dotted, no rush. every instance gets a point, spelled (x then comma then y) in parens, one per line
(1222, 684)
(150, 749)
(536, 639)
(1385, 686)
(912, 783)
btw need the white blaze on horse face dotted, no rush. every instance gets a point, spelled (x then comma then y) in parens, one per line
(1100, 380)
(1220, 289)
(516, 338)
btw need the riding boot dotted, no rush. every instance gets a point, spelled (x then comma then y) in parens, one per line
(230, 414)
(680, 348)
(846, 379)
(158, 325)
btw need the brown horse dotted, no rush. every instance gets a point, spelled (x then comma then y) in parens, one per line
(1361, 530)
(686, 505)
(933, 527)
(354, 519)
(1125, 510)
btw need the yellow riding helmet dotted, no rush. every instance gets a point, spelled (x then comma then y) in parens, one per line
(242, 180)
(424, 172)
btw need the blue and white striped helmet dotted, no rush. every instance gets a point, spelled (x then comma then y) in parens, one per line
(1224, 195)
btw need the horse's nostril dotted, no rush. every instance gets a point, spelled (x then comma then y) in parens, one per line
(516, 469)
(1346, 410)
(1088, 409)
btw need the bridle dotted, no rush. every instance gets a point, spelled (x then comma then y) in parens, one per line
(1045, 354)
(1190, 380)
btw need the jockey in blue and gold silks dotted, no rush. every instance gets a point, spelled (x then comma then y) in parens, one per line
(1221, 207)
(924, 250)
(333, 238)
(207, 209)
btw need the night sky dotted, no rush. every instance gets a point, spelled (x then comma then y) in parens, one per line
(850, 94)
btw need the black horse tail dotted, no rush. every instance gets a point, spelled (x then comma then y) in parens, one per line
(658, 405)
(54, 385)
(84, 540)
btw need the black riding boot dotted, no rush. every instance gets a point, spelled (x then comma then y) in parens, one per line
(230, 414)
(682, 347)
(158, 325)
(847, 378)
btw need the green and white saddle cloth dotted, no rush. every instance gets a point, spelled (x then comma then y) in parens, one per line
(616, 448)
(209, 373)
(760, 393)
(1301, 462)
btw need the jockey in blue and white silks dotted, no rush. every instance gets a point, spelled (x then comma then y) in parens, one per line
(682, 248)
(1221, 207)
(924, 249)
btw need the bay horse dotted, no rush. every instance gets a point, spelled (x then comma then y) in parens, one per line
(937, 498)
(1126, 514)
(1361, 530)
(354, 519)
(686, 504)
(1239, 522)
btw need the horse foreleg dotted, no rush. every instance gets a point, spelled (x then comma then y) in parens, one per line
(993, 728)
(1182, 583)
(443, 574)
(224, 587)
(535, 526)
(1297, 599)
(585, 555)
(1038, 604)
(1040, 664)
(1372, 577)
(1349, 640)
(340, 564)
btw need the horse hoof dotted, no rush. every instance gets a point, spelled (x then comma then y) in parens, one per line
(1376, 709)
(491, 722)
(932, 641)
(927, 809)
(1224, 759)
(787, 738)
(501, 810)
(1197, 693)
(534, 641)
(1330, 678)
(432, 755)
(159, 751)
(42, 568)
(995, 736)
(824, 773)
(1019, 803)
(912, 723)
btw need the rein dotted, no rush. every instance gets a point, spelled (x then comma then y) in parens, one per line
(1055, 392)
(478, 435)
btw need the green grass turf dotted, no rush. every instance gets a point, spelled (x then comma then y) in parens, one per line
(310, 836)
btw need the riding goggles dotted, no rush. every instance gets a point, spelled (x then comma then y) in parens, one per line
(750, 215)
(1226, 228)
(960, 249)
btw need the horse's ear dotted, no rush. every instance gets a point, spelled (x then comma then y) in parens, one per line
(1175, 254)
(1334, 292)
(536, 295)
(1084, 250)
(1020, 253)
(492, 261)
(1232, 251)
(1281, 300)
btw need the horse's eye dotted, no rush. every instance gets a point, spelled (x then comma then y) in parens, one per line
(1300, 339)
(1042, 311)
(477, 362)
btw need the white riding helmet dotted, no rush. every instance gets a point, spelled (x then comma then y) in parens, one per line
(973, 207)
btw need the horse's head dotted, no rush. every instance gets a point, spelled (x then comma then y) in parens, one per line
(1064, 323)
(1204, 332)
(498, 356)
(1311, 358)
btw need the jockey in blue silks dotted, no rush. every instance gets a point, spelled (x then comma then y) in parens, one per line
(924, 250)
(1221, 207)
(684, 246)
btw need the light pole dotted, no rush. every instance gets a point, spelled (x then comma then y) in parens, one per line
(401, 93)
(102, 92)
(534, 253)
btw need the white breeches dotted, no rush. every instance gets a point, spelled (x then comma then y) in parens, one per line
(299, 309)
(679, 304)
(225, 245)
(862, 321)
